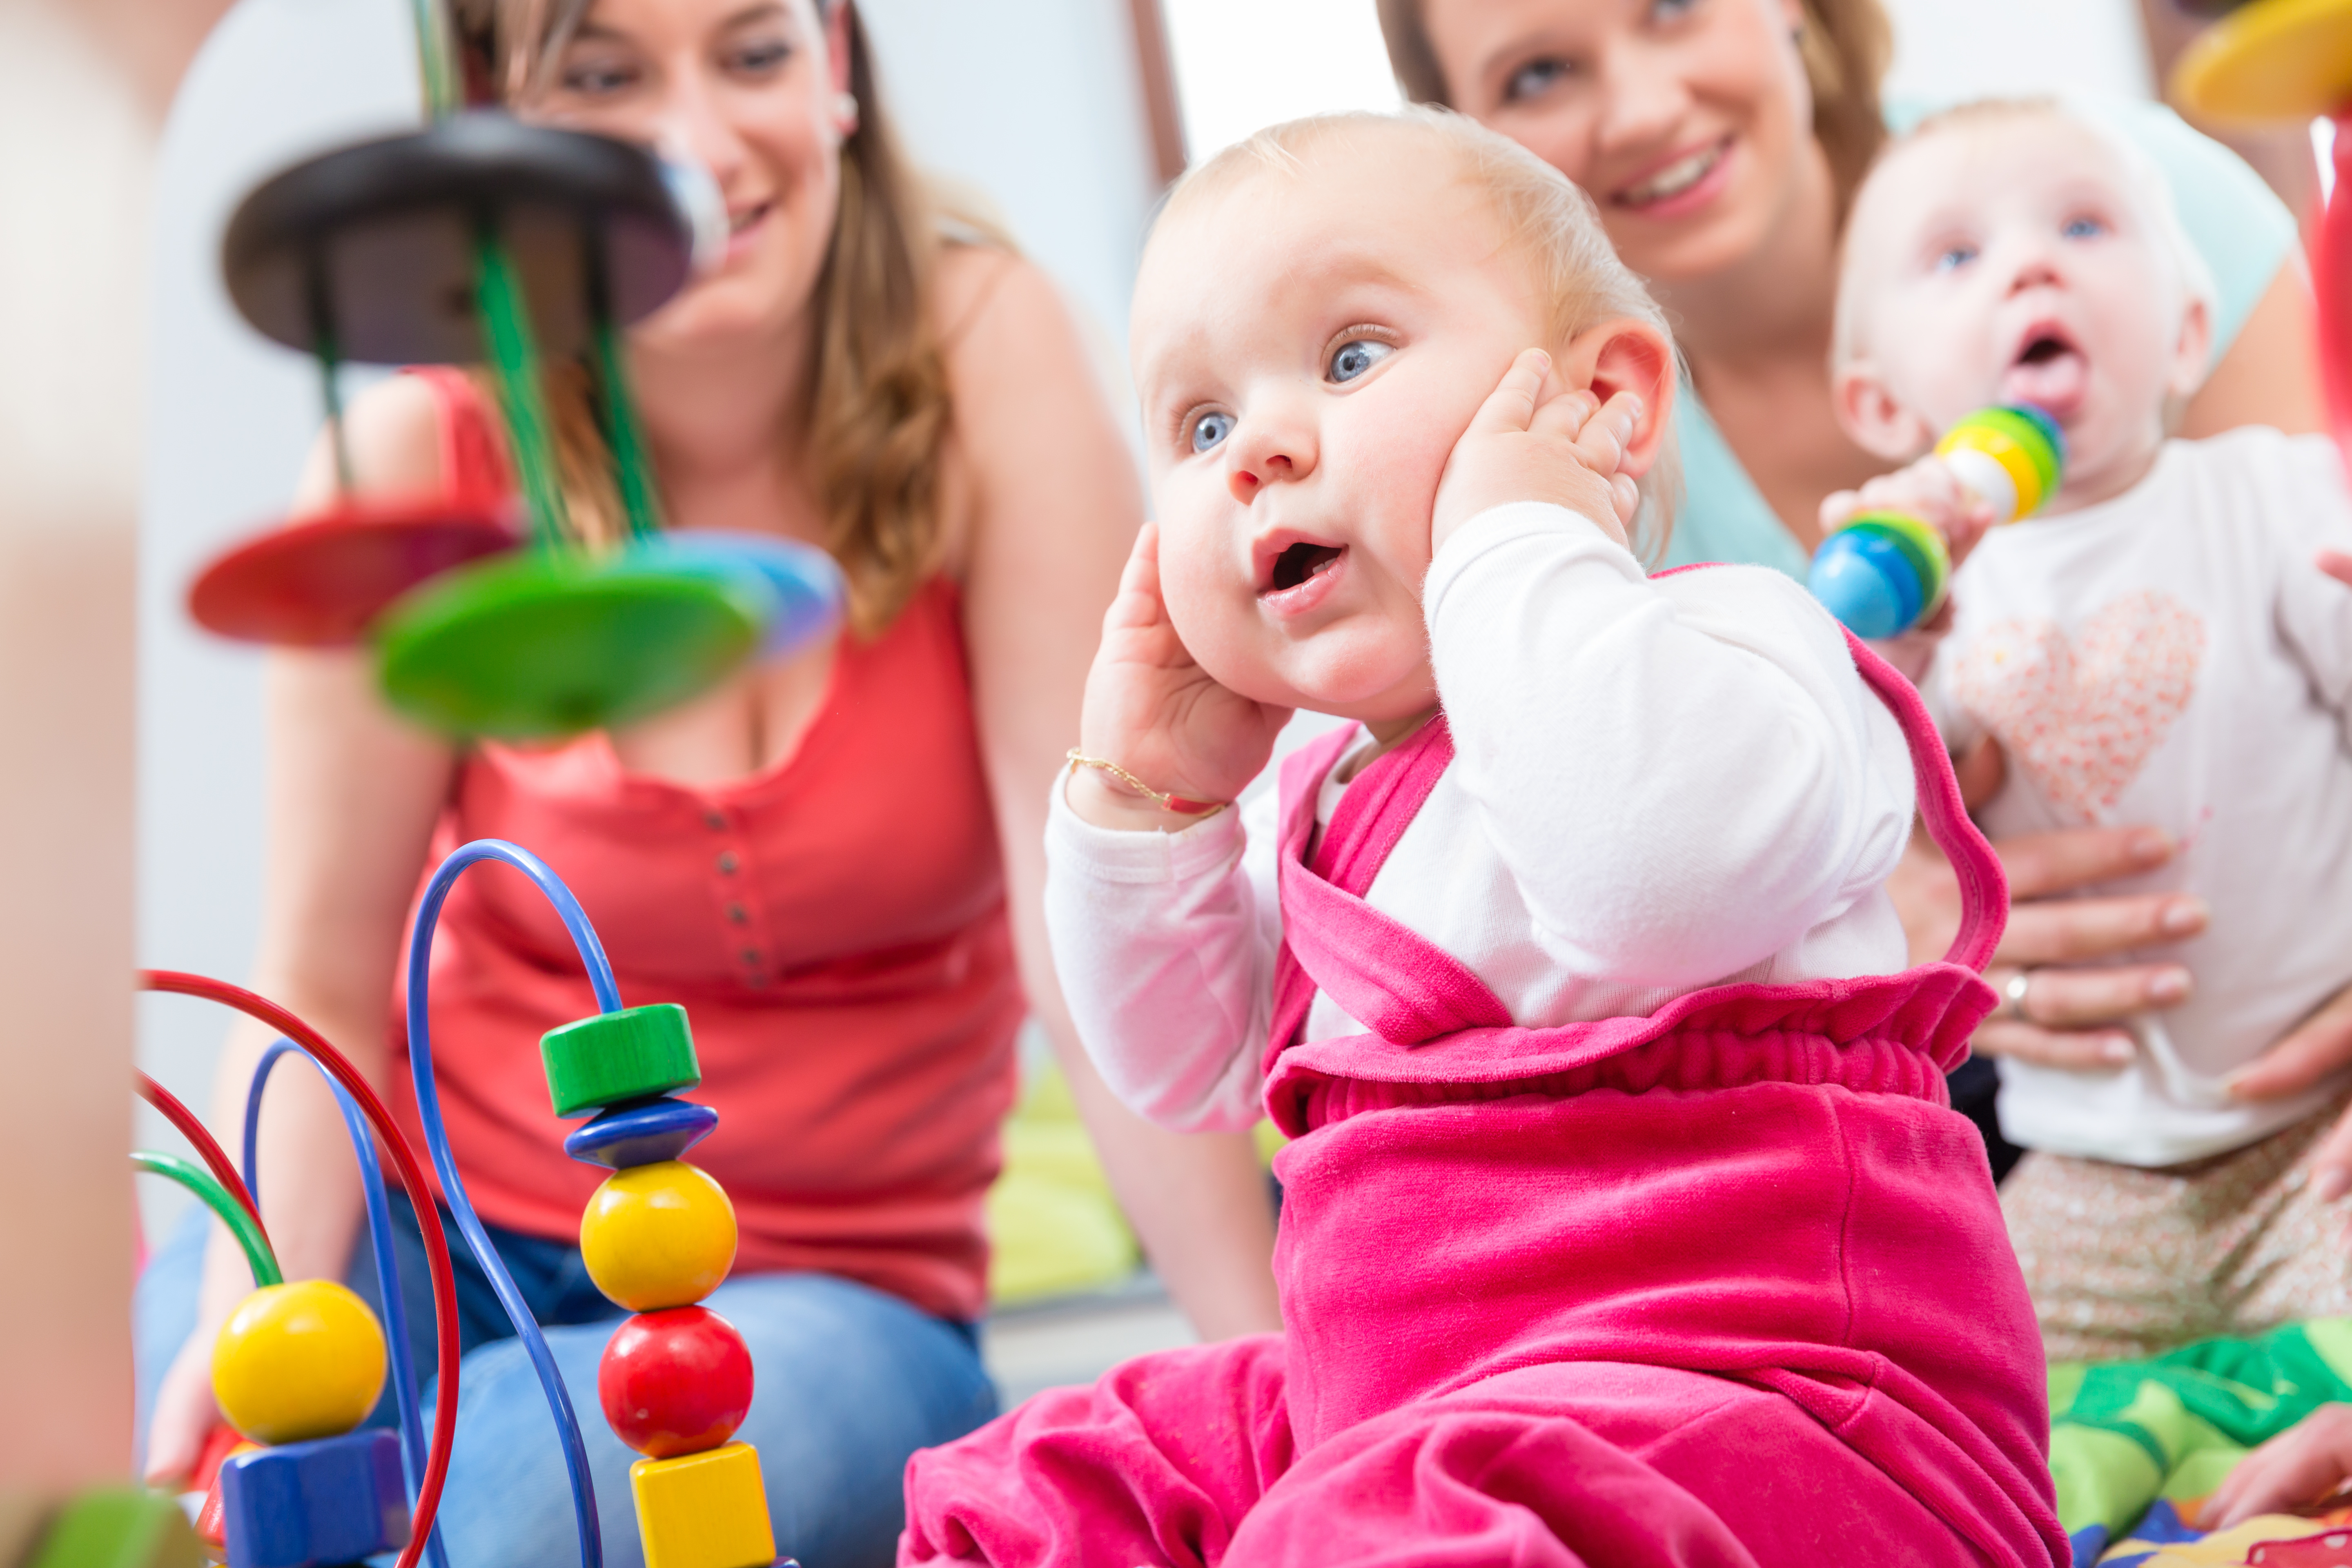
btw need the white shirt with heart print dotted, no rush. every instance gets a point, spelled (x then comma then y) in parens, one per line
(2172, 657)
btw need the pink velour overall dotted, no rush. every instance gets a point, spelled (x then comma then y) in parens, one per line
(1725, 1285)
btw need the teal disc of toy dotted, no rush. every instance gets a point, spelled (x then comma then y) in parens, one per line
(806, 582)
(541, 645)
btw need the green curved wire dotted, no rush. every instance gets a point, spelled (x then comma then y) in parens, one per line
(199, 1181)
(434, 69)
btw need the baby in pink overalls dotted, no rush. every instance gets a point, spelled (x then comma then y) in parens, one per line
(1625, 1220)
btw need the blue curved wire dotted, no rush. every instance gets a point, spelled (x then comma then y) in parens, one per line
(453, 1188)
(413, 1450)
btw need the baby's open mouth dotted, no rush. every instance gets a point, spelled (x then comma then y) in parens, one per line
(1299, 562)
(2049, 373)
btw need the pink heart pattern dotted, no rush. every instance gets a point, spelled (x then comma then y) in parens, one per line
(2082, 717)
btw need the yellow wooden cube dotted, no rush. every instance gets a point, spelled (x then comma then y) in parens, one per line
(704, 1510)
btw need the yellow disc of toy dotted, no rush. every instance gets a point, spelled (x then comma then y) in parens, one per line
(2025, 474)
(298, 1361)
(658, 1235)
(2272, 60)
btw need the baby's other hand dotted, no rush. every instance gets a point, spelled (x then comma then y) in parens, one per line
(2337, 564)
(1522, 446)
(1929, 490)
(1153, 710)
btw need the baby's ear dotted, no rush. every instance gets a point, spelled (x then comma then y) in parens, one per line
(1626, 357)
(2191, 354)
(1879, 423)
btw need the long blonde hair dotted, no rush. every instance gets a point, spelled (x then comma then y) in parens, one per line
(1846, 46)
(878, 396)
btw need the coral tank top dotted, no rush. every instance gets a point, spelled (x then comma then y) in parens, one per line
(835, 927)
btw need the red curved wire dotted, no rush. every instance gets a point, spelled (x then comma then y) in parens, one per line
(207, 1147)
(420, 1196)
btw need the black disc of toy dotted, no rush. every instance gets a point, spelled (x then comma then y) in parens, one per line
(378, 241)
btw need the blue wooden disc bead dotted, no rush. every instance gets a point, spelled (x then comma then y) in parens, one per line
(642, 1134)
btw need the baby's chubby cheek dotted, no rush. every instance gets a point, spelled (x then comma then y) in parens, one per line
(1215, 612)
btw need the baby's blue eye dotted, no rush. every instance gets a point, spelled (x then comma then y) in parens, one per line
(2084, 228)
(1352, 359)
(1955, 256)
(1211, 428)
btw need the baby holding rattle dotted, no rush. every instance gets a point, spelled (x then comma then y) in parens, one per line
(2157, 646)
(1626, 1219)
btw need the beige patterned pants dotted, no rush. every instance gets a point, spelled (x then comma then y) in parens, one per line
(2123, 1262)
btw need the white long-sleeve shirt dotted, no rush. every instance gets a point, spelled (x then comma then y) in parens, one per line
(1658, 785)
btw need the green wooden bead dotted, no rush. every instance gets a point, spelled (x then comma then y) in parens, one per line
(120, 1527)
(613, 1057)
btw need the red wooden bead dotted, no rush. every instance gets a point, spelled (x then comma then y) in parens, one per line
(675, 1382)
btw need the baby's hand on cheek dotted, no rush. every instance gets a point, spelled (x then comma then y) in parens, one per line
(1565, 451)
(1152, 708)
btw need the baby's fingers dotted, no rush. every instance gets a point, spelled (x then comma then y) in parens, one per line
(1512, 404)
(1138, 603)
(1603, 444)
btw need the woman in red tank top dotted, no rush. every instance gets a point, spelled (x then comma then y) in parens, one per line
(833, 862)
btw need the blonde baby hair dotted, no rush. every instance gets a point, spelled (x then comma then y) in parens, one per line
(1549, 224)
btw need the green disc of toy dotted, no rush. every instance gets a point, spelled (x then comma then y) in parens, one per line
(542, 645)
(614, 1058)
(1923, 546)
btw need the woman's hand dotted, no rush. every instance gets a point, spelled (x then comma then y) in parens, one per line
(1153, 710)
(1521, 446)
(185, 1411)
(2301, 1465)
(2069, 1015)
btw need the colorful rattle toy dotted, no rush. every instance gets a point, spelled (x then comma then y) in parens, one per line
(481, 239)
(1885, 572)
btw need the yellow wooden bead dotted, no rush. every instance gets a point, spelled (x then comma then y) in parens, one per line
(658, 1235)
(704, 1510)
(298, 1361)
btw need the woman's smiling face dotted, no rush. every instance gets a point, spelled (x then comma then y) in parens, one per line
(749, 88)
(1687, 121)
(1309, 347)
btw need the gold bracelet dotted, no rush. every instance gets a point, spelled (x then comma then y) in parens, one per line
(1175, 803)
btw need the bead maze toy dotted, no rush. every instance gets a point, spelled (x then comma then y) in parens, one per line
(482, 238)
(300, 1365)
(1884, 571)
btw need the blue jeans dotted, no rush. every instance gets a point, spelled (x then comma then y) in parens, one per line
(851, 1381)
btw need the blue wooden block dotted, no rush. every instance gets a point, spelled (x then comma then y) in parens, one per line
(644, 1133)
(308, 1505)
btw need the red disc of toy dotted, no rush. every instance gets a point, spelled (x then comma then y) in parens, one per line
(322, 579)
(675, 1382)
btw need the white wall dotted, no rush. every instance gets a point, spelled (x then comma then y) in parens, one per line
(230, 417)
(1033, 103)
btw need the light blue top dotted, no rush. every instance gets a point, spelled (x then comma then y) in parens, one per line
(2245, 232)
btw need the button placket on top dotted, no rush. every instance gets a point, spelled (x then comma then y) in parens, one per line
(741, 932)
